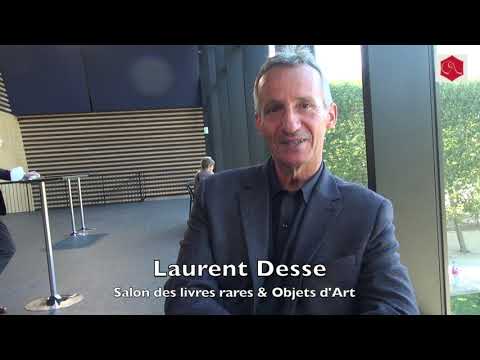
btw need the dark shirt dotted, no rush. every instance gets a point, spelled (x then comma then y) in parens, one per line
(287, 209)
(5, 174)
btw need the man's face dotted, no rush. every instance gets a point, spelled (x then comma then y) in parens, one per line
(292, 117)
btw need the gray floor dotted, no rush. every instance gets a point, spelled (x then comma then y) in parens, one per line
(119, 253)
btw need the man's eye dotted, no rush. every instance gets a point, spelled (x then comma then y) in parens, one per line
(306, 106)
(273, 108)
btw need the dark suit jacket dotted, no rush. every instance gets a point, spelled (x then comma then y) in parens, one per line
(4, 175)
(346, 227)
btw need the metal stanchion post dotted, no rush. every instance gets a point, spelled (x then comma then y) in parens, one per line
(84, 230)
(55, 301)
(74, 229)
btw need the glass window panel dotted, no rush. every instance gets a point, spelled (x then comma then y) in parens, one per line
(458, 84)
(344, 151)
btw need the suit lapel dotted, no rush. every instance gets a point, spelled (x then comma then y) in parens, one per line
(255, 215)
(254, 198)
(324, 205)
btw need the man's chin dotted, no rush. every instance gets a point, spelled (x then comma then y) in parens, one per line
(293, 164)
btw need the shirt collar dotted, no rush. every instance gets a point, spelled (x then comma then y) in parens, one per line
(306, 189)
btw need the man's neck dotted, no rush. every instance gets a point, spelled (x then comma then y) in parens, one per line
(292, 179)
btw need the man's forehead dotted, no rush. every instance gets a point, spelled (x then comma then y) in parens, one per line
(277, 84)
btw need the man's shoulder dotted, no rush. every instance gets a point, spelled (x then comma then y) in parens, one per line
(235, 175)
(352, 191)
(229, 182)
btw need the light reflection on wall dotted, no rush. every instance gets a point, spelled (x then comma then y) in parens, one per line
(152, 76)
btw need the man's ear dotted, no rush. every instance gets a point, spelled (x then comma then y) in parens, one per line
(258, 123)
(332, 116)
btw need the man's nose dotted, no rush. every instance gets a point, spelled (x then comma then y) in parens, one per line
(291, 121)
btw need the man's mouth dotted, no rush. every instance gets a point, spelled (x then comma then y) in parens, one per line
(293, 142)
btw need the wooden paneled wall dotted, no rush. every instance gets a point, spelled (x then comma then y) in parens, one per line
(166, 145)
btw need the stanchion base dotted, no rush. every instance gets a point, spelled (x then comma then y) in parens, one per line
(85, 231)
(75, 233)
(53, 303)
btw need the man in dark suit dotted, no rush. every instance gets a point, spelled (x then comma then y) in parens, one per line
(7, 247)
(291, 211)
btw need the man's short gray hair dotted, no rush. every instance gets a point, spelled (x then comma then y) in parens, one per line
(206, 162)
(290, 56)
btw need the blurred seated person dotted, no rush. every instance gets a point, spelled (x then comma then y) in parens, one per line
(207, 165)
(7, 247)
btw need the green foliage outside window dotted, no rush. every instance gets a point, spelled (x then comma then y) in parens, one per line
(344, 153)
(459, 107)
